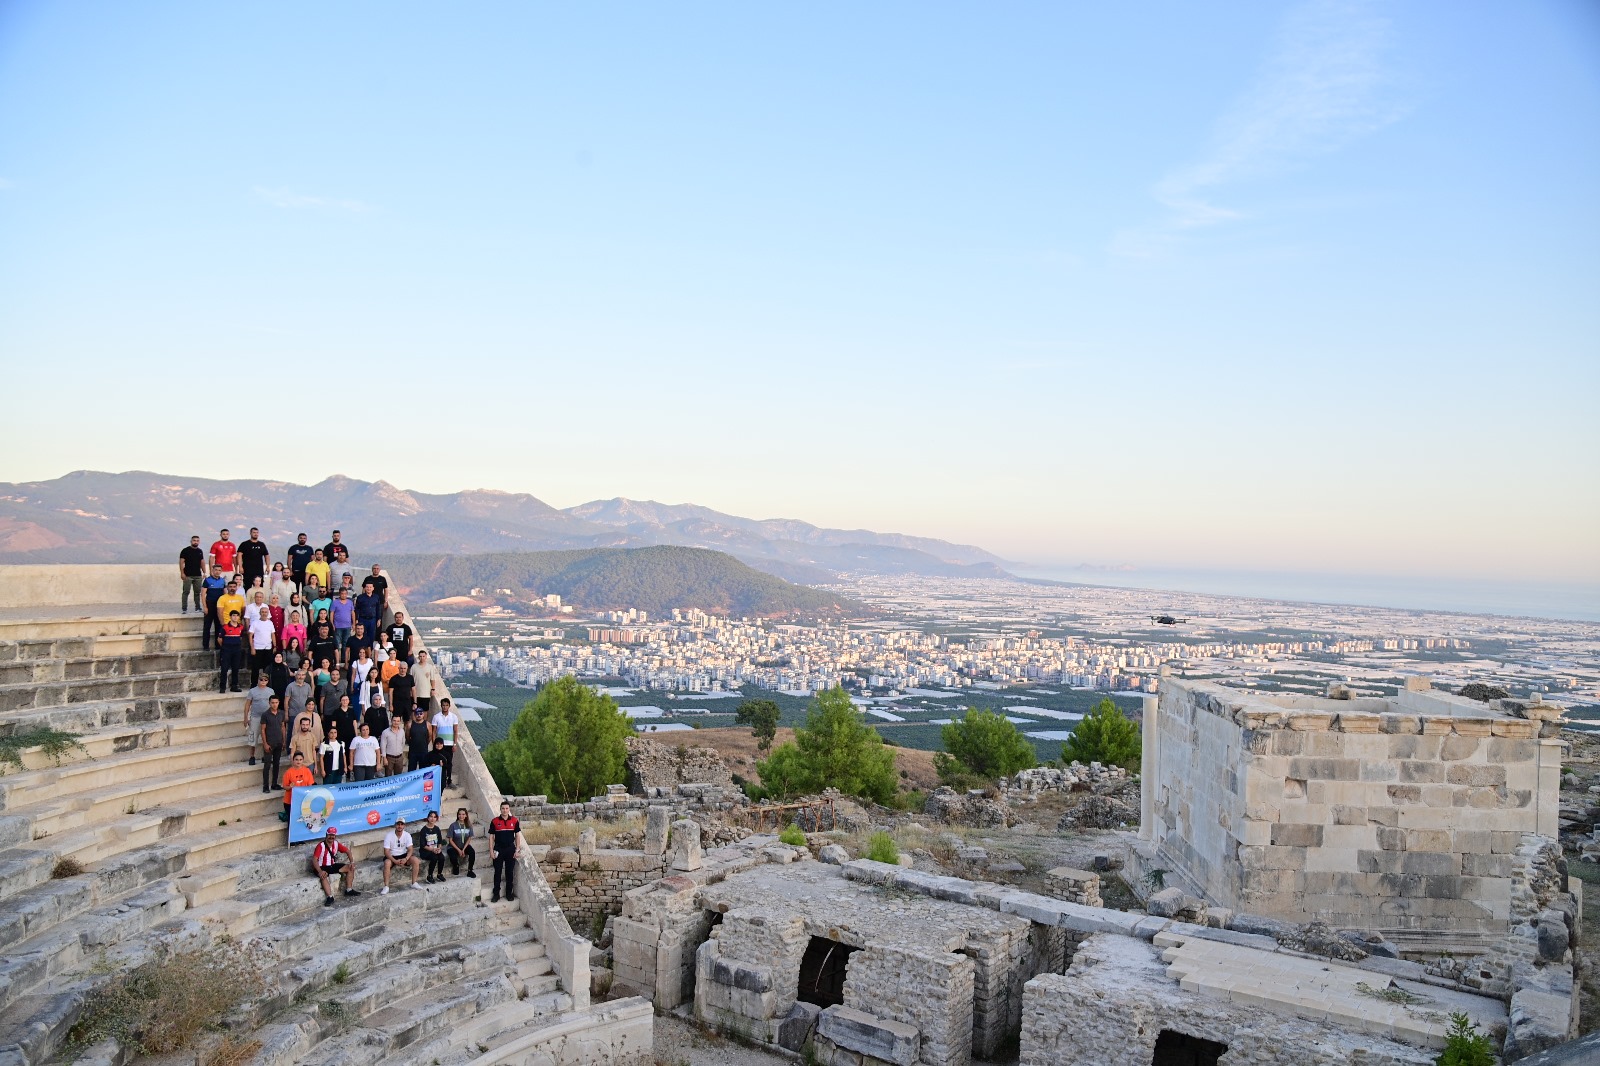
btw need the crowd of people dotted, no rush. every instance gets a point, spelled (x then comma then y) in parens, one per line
(337, 691)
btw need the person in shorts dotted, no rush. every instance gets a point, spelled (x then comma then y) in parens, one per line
(256, 702)
(398, 851)
(332, 858)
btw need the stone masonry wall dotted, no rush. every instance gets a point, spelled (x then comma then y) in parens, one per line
(1111, 1007)
(931, 993)
(1364, 813)
(593, 884)
(659, 767)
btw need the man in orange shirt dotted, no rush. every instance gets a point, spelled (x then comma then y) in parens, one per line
(295, 776)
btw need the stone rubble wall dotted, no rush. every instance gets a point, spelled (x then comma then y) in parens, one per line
(1071, 778)
(660, 767)
(620, 805)
(594, 883)
(1392, 820)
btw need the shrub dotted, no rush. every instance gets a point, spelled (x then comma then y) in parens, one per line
(65, 867)
(1464, 1045)
(880, 848)
(567, 744)
(1477, 690)
(54, 744)
(163, 1005)
(982, 744)
(793, 834)
(834, 749)
(1105, 736)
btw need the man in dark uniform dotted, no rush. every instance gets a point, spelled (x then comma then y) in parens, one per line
(505, 844)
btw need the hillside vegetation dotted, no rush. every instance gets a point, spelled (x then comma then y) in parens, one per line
(654, 579)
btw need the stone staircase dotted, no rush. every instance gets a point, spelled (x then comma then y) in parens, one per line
(155, 836)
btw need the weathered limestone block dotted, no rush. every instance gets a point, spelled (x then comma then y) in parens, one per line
(860, 1032)
(834, 855)
(686, 852)
(658, 823)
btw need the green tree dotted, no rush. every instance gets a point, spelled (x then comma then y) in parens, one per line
(834, 749)
(762, 718)
(1105, 736)
(1464, 1045)
(567, 744)
(982, 744)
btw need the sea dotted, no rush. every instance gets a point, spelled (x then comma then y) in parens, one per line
(1577, 601)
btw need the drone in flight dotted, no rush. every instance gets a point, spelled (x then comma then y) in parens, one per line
(1168, 620)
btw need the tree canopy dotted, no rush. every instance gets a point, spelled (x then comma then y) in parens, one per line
(567, 744)
(1105, 736)
(1477, 690)
(982, 744)
(834, 749)
(762, 718)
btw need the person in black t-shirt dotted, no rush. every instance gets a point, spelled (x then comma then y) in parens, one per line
(299, 555)
(419, 741)
(431, 842)
(331, 550)
(322, 645)
(192, 572)
(400, 635)
(254, 558)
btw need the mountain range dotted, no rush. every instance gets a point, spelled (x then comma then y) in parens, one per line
(91, 516)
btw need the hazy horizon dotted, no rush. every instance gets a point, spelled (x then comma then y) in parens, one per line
(1267, 287)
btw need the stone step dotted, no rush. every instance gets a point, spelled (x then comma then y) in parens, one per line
(139, 755)
(160, 793)
(30, 696)
(479, 1038)
(106, 744)
(409, 1022)
(94, 715)
(85, 668)
(86, 620)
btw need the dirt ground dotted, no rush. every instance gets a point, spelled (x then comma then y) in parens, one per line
(738, 748)
(683, 1043)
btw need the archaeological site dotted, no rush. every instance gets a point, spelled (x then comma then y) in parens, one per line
(1287, 881)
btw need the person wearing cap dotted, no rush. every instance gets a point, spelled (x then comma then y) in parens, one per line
(419, 740)
(331, 856)
(398, 851)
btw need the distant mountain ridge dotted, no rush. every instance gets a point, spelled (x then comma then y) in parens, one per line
(138, 516)
(654, 579)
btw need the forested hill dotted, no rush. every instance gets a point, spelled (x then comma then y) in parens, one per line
(654, 579)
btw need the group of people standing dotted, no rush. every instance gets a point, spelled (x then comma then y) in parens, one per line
(431, 847)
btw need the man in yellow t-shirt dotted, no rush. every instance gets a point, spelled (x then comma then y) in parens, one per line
(229, 602)
(318, 568)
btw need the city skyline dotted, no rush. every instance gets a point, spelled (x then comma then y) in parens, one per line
(1276, 288)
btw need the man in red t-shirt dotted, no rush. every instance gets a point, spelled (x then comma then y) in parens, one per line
(224, 552)
(331, 857)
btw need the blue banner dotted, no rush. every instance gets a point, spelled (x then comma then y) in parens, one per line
(357, 806)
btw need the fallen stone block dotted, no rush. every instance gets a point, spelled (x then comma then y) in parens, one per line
(861, 1032)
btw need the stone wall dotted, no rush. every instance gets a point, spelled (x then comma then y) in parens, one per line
(619, 805)
(594, 883)
(931, 993)
(1114, 1003)
(658, 767)
(1398, 815)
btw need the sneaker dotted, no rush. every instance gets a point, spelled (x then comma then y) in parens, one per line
(328, 902)
(495, 898)
(471, 874)
(252, 760)
(352, 892)
(265, 789)
(385, 891)
(510, 898)
(416, 886)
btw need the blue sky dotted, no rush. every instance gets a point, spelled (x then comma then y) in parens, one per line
(1252, 285)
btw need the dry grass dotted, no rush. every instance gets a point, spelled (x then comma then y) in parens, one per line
(559, 834)
(164, 1005)
(234, 1052)
(65, 867)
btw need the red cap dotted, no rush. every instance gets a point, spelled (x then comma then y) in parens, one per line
(333, 831)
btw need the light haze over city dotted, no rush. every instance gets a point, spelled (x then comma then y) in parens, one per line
(1256, 287)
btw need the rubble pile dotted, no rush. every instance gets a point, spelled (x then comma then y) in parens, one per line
(657, 768)
(1073, 778)
(972, 809)
(1098, 812)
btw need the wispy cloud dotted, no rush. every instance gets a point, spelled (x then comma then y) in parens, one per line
(1323, 87)
(290, 200)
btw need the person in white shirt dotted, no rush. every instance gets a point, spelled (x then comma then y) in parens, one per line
(397, 851)
(332, 754)
(282, 585)
(426, 676)
(364, 755)
(263, 641)
(445, 723)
